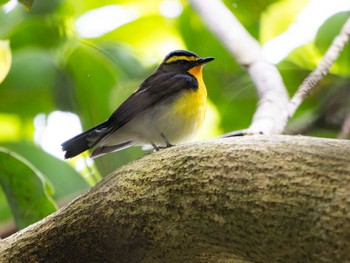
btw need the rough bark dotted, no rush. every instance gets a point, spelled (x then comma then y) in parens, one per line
(247, 199)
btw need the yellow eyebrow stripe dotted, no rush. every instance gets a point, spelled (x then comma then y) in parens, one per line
(177, 58)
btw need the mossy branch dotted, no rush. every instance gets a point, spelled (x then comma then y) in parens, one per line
(247, 199)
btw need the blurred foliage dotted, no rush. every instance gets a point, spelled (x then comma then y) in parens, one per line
(27, 191)
(275, 22)
(2, 2)
(323, 113)
(26, 3)
(55, 68)
(325, 37)
(5, 59)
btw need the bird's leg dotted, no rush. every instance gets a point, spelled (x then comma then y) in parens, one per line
(168, 144)
(155, 147)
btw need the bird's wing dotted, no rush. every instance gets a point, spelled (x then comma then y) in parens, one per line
(152, 91)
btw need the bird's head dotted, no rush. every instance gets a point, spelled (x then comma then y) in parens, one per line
(182, 61)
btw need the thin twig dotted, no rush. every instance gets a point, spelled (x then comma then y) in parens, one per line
(322, 69)
(274, 109)
(271, 114)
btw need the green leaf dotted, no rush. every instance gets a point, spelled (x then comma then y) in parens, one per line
(306, 56)
(35, 31)
(125, 60)
(27, 90)
(40, 6)
(11, 20)
(249, 12)
(77, 8)
(94, 76)
(5, 59)
(65, 180)
(2, 2)
(278, 17)
(325, 36)
(153, 33)
(5, 210)
(27, 192)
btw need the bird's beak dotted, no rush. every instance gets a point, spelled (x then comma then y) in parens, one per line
(203, 61)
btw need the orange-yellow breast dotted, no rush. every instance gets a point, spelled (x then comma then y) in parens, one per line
(192, 105)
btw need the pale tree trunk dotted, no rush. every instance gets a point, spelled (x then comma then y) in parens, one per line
(247, 199)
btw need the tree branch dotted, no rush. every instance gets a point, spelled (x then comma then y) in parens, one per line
(274, 109)
(271, 114)
(251, 199)
(322, 69)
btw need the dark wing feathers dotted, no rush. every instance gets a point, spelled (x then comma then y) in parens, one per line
(159, 86)
(153, 90)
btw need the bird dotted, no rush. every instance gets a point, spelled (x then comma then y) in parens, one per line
(168, 108)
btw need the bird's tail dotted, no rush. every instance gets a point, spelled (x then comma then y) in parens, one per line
(84, 141)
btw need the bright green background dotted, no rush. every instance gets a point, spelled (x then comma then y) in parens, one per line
(53, 68)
